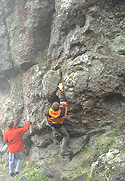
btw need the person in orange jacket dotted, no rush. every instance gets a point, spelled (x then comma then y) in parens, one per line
(55, 117)
(12, 137)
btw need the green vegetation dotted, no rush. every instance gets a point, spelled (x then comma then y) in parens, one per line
(105, 143)
(27, 164)
(80, 165)
(34, 175)
(98, 145)
(41, 63)
(4, 166)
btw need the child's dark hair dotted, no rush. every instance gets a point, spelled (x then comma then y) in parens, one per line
(55, 106)
(10, 124)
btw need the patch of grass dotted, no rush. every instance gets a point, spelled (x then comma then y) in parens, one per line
(74, 174)
(41, 63)
(26, 164)
(89, 177)
(4, 166)
(78, 172)
(100, 144)
(104, 144)
(34, 175)
(114, 157)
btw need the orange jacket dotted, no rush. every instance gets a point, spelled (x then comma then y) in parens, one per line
(57, 117)
(13, 138)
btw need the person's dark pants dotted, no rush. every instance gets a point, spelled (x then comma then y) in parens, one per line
(61, 131)
(65, 138)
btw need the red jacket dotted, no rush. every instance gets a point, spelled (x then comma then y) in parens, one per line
(13, 138)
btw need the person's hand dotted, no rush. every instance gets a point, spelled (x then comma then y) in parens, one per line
(28, 118)
(60, 86)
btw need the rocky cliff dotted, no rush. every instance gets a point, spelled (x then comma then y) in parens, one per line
(78, 42)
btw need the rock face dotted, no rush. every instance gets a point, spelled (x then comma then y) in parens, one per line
(80, 42)
(6, 61)
(111, 164)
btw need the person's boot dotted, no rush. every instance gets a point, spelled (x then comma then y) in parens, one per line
(12, 174)
(16, 173)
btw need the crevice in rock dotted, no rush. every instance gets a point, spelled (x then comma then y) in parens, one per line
(114, 97)
(4, 85)
(114, 102)
(76, 17)
(25, 66)
(121, 52)
(53, 98)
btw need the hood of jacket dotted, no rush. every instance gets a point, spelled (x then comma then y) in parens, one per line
(54, 114)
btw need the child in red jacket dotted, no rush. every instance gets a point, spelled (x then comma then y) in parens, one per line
(12, 137)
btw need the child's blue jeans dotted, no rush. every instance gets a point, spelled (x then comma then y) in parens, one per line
(15, 157)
